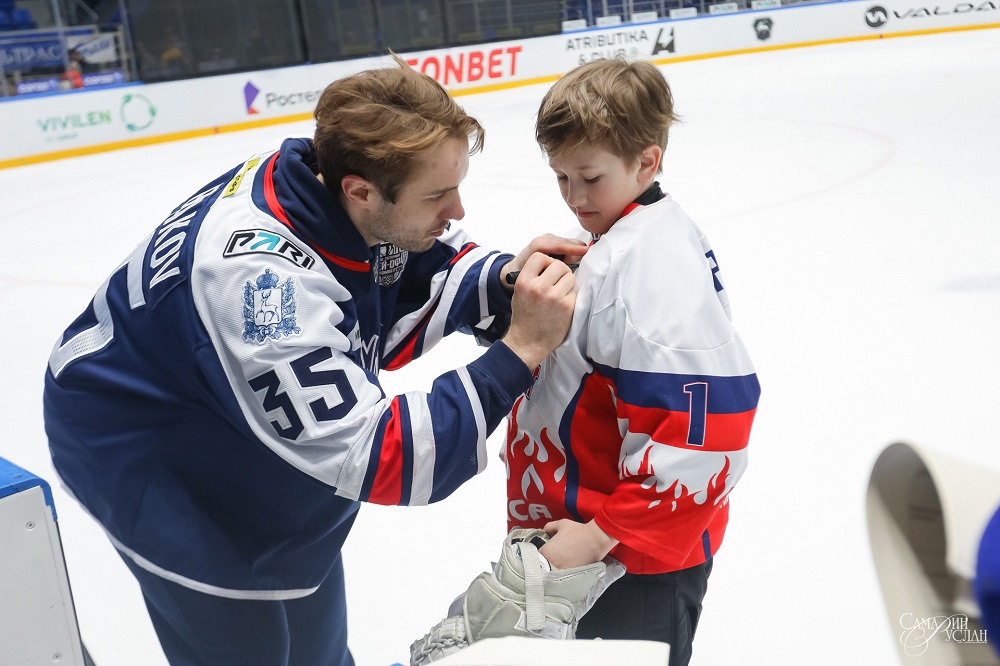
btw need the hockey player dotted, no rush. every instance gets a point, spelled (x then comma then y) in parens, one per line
(217, 406)
(636, 428)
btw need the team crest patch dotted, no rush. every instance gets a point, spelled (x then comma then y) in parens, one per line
(268, 308)
(391, 262)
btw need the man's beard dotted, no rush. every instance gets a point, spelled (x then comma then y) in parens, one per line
(386, 228)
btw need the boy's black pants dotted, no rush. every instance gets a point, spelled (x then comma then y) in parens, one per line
(653, 607)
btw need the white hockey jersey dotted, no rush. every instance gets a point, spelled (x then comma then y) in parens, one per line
(641, 418)
(217, 407)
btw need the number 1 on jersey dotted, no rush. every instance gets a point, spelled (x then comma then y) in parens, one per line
(697, 411)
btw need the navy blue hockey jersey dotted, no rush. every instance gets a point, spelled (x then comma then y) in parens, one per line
(217, 406)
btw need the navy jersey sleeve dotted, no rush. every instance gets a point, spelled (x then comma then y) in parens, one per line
(452, 287)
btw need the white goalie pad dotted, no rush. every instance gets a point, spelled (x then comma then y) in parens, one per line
(521, 596)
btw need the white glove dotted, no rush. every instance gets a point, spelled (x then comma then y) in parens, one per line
(522, 596)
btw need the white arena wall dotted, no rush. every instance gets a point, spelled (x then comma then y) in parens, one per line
(66, 124)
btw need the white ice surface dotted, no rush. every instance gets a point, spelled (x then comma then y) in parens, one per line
(851, 193)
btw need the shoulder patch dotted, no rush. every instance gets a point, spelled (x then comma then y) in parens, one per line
(234, 184)
(253, 241)
(269, 308)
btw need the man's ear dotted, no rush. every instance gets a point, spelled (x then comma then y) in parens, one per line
(649, 161)
(359, 191)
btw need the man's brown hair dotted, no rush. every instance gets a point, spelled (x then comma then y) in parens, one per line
(618, 105)
(378, 123)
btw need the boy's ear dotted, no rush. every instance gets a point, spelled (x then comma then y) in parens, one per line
(649, 161)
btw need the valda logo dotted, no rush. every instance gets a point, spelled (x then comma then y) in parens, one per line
(876, 16)
(250, 92)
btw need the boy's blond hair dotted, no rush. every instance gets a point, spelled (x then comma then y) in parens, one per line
(378, 124)
(618, 105)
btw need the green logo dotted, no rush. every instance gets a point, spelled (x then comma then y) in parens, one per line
(74, 121)
(137, 112)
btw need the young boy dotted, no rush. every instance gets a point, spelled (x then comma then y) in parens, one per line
(636, 428)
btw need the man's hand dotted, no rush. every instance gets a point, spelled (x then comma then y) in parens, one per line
(574, 544)
(570, 251)
(542, 308)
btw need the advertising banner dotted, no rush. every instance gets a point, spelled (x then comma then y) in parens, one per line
(478, 66)
(52, 83)
(99, 48)
(36, 49)
(63, 124)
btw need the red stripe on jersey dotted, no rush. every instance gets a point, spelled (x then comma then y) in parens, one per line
(404, 356)
(723, 432)
(408, 351)
(464, 251)
(279, 212)
(271, 196)
(350, 264)
(387, 488)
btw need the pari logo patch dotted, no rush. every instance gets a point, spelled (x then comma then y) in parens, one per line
(269, 308)
(260, 241)
(250, 92)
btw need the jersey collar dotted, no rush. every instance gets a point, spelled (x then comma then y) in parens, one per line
(293, 195)
(650, 196)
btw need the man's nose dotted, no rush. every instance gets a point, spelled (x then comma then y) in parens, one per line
(455, 210)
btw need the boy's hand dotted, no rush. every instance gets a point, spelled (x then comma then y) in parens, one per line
(574, 544)
(568, 250)
(541, 310)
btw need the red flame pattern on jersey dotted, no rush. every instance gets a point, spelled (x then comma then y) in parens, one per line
(657, 507)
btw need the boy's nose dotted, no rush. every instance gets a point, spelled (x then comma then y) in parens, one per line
(575, 196)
